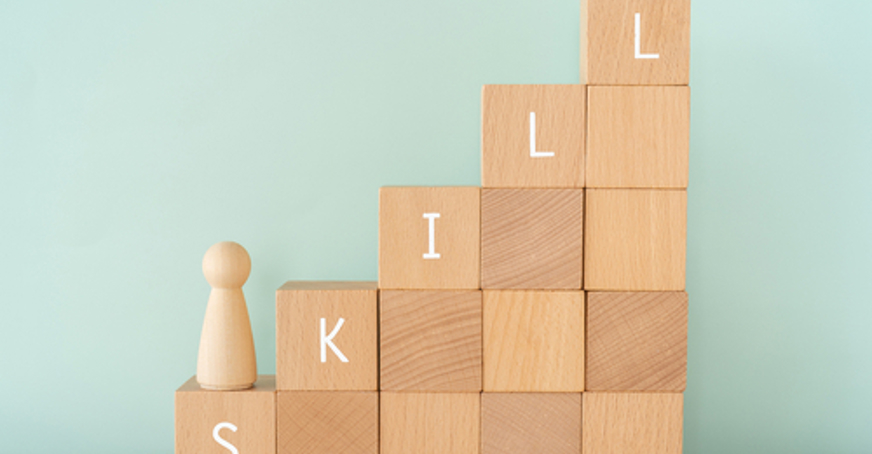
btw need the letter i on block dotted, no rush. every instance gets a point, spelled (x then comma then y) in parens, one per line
(635, 42)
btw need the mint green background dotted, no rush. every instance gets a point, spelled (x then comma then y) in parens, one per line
(133, 135)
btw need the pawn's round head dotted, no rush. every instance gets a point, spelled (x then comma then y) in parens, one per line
(226, 265)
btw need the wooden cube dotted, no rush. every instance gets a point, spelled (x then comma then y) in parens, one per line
(430, 423)
(636, 341)
(631, 423)
(635, 239)
(532, 136)
(522, 423)
(531, 239)
(533, 341)
(429, 238)
(638, 137)
(430, 340)
(635, 42)
(211, 422)
(327, 422)
(327, 336)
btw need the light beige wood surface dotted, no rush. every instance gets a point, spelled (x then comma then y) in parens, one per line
(430, 423)
(327, 422)
(430, 340)
(535, 423)
(404, 237)
(226, 360)
(608, 49)
(300, 306)
(533, 341)
(506, 160)
(638, 137)
(632, 423)
(198, 411)
(531, 239)
(636, 341)
(635, 239)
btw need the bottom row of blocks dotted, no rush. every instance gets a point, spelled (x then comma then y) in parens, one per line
(262, 420)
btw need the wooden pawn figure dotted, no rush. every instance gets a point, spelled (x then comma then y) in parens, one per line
(226, 360)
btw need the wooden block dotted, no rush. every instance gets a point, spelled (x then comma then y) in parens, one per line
(635, 239)
(638, 137)
(430, 340)
(532, 136)
(617, 51)
(431, 423)
(305, 355)
(429, 238)
(211, 422)
(521, 423)
(631, 423)
(327, 422)
(531, 239)
(636, 341)
(533, 341)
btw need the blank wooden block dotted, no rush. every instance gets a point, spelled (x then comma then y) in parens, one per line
(207, 422)
(300, 308)
(532, 136)
(430, 340)
(521, 423)
(429, 238)
(533, 341)
(631, 423)
(635, 239)
(610, 54)
(636, 341)
(638, 137)
(327, 422)
(431, 423)
(531, 239)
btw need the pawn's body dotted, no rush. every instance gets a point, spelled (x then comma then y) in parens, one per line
(226, 361)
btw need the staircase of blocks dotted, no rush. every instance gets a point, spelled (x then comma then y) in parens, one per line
(543, 312)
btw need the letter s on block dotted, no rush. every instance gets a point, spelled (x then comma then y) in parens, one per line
(222, 441)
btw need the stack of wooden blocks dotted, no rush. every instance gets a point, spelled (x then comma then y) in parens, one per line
(542, 313)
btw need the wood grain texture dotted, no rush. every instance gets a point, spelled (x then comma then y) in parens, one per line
(632, 423)
(430, 340)
(299, 309)
(635, 239)
(636, 341)
(638, 137)
(608, 48)
(533, 341)
(522, 423)
(327, 422)
(531, 239)
(404, 236)
(505, 138)
(430, 423)
(252, 411)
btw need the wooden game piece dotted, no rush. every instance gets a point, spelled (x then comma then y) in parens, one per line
(636, 341)
(327, 422)
(631, 423)
(327, 336)
(530, 423)
(635, 239)
(429, 237)
(430, 340)
(638, 137)
(531, 239)
(430, 423)
(226, 360)
(533, 341)
(635, 42)
(532, 136)
(218, 422)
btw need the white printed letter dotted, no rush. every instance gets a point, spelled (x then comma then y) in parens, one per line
(533, 152)
(431, 221)
(327, 341)
(639, 54)
(222, 441)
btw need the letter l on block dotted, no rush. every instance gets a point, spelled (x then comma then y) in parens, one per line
(533, 152)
